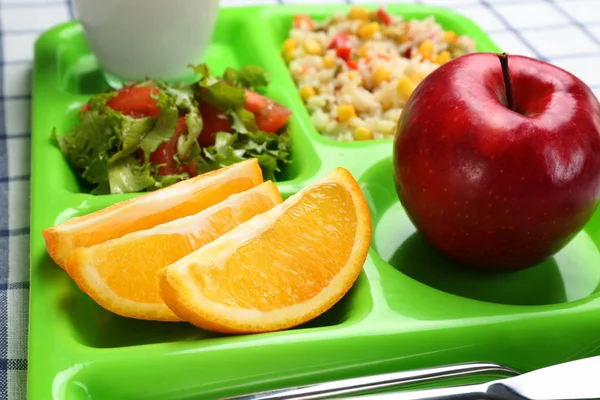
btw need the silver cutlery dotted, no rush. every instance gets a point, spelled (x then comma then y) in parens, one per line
(574, 380)
(384, 381)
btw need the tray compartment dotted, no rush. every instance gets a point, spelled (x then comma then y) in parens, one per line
(572, 274)
(72, 72)
(93, 326)
(279, 20)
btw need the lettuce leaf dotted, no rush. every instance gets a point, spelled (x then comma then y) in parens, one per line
(200, 69)
(224, 96)
(162, 131)
(104, 142)
(86, 147)
(168, 180)
(243, 121)
(183, 96)
(228, 93)
(128, 176)
(132, 131)
(272, 151)
(103, 149)
(251, 77)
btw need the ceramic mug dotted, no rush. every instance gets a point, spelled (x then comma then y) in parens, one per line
(138, 39)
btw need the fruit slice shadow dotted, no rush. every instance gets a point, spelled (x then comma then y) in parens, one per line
(96, 327)
(572, 274)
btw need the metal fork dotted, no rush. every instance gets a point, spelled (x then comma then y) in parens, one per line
(570, 380)
(392, 380)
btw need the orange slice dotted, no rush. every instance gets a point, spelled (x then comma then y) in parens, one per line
(279, 269)
(179, 200)
(120, 274)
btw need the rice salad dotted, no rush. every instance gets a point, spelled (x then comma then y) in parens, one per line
(355, 71)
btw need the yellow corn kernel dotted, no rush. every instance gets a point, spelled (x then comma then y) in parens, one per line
(442, 58)
(311, 46)
(346, 112)
(362, 133)
(307, 92)
(405, 87)
(359, 13)
(426, 49)
(362, 50)
(449, 36)
(402, 38)
(417, 77)
(352, 74)
(287, 54)
(368, 30)
(288, 47)
(381, 75)
(290, 44)
(328, 61)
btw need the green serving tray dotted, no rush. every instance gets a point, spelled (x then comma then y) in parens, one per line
(409, 308)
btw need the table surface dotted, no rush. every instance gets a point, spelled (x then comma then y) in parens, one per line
(564, 32)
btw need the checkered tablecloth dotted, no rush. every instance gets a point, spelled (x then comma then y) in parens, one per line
(564, 32)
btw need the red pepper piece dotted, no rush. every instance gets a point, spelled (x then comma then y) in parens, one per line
(344, 53)
(384, 16)
(339, 40)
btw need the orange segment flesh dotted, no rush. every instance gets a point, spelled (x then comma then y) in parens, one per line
(146, 211)
(120, 274)
(279, 269)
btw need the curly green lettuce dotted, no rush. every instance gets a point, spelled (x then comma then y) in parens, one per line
(104, 138)
(110, 152)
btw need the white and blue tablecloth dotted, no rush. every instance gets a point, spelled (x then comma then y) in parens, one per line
(564, 32)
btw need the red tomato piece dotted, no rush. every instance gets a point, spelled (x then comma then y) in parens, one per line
(255, 102)
(135, 102)
(384, 16)
(166, 151)
(344, 53)
(214, 120)
(191, 168)
(339, 40)
(85, 107)
(270, 115)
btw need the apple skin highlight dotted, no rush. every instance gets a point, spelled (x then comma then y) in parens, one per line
(490, 187)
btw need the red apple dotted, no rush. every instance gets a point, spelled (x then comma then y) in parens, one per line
(496, 185)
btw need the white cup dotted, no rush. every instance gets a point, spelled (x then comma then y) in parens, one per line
(138, 39)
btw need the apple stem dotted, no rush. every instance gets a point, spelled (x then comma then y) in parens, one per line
(507, 83)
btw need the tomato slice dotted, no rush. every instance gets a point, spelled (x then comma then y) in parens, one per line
(214, 120)
(270, 115)
(135, 102)
(191, 168)
(255, 102)
(166, 151)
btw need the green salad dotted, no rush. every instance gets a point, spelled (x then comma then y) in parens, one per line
(149, 134)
